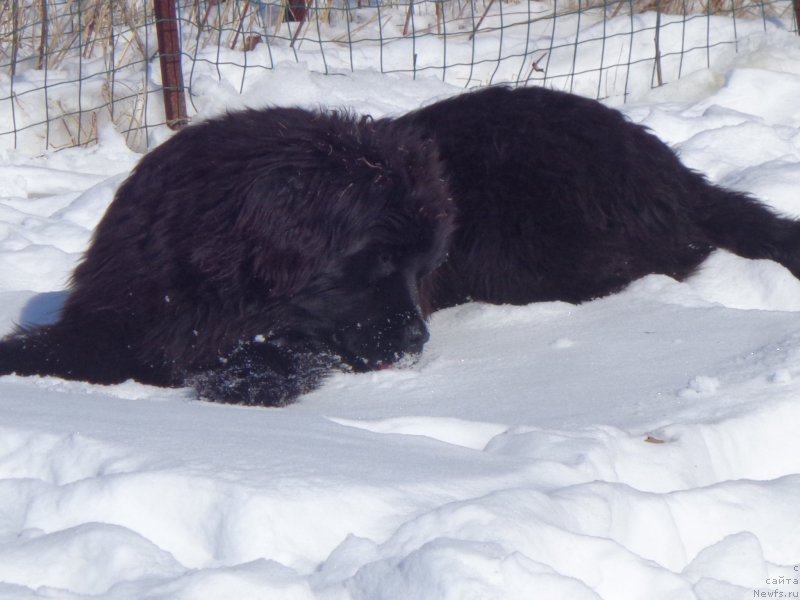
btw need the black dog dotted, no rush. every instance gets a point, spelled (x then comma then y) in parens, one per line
(249, 255)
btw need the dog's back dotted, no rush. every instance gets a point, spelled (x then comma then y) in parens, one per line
(562, 198)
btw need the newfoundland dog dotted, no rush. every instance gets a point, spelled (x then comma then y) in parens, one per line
(250, 255)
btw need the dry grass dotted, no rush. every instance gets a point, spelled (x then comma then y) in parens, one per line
(745, 9)
(48, 35)
(47, 31)
(90, 24)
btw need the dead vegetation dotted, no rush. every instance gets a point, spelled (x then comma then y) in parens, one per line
(106, 45)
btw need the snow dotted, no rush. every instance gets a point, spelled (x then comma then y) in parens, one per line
(643, 445)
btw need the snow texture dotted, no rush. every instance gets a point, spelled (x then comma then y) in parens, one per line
(643, 445)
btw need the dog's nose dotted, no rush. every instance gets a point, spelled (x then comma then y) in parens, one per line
(415, 334)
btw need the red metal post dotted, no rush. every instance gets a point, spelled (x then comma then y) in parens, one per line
(169, 54)
(797, 15)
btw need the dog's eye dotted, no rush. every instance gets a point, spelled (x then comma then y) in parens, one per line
(375, 263)
(385, 264)
(385, 259)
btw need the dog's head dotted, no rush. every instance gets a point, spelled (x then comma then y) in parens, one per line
(367, 307)
(345, 228)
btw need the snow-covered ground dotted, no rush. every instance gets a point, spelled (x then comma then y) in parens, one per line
(643, 445)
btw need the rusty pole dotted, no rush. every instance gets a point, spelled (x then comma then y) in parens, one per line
(797, 15)
(169, 55)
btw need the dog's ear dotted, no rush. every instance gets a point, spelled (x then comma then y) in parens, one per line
(296, 221)
(327, 187)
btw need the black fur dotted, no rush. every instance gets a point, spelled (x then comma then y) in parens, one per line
(249, 255)
(562, 198)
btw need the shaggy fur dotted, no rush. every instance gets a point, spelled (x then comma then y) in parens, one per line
(249, 255)
(562, 198)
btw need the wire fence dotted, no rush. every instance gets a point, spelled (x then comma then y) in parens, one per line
(70, 67)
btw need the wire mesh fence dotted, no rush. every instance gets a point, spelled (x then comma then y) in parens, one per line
(69, 67)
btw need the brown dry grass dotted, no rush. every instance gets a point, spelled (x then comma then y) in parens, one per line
(50, 34)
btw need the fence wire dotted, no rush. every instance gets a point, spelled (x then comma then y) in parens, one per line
(70, 67)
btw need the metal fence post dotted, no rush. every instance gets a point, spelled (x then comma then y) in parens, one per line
(169, 55)
(796, 5)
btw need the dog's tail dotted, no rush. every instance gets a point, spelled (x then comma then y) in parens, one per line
(745, 226)
(65, 351)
